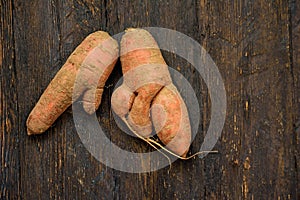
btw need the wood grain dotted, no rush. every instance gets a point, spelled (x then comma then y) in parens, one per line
(295, 70)
(10, 136)
(255, 45)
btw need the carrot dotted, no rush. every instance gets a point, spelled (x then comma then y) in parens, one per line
(145, 73)
(95, 57)
(147, 81)
(171, 121)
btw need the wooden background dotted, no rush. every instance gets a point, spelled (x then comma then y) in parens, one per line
(255, 44)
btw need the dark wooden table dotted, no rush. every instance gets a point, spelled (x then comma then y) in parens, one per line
(256, 46)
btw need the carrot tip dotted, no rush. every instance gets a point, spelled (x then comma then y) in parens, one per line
(184, 155)
(29, 132)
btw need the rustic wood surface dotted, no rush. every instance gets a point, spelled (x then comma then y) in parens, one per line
(255, 44)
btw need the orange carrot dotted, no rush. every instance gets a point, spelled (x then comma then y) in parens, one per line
(147, 81)
(94, 58)
(171, 121)
(141, 60)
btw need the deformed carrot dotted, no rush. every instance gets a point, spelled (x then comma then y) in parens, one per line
(145, 73)
(94, 58)
(171, 120)
(147, 82)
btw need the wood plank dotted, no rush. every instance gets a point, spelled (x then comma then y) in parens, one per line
(249, 42)
(9, 135)
(37, 59)
(295, 58)
(54, 165)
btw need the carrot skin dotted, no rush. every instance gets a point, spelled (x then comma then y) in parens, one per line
(171, 121)
(140, 54)
(58, 95)
(146, 77)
